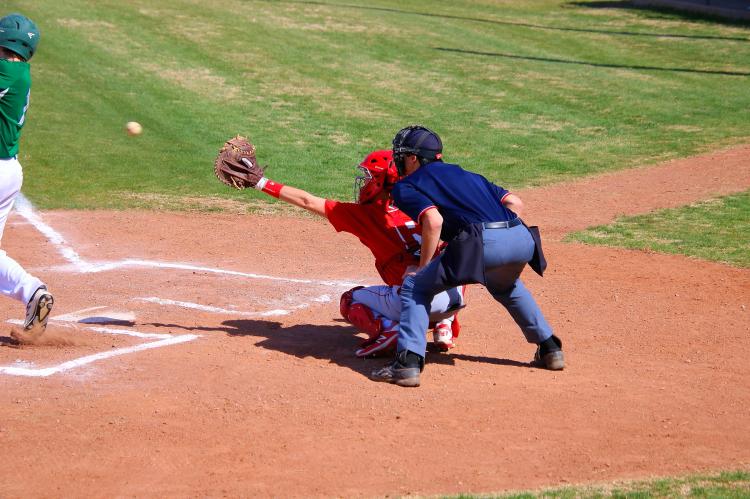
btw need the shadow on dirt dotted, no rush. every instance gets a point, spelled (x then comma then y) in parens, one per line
(450, 358)
(107, 321)
(334, 343)
(7, 341)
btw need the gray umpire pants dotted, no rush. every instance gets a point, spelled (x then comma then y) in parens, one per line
(505, 252)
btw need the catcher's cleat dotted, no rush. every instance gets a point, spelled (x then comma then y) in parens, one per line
(38, 310)
(442, 335)
(549, 355)
(384, 342)
(403, 371)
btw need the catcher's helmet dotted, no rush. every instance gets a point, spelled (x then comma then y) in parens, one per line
(418, 140)
(19, 34)
(378, 174)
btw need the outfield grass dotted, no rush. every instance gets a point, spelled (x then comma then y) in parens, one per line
(716, 229)
(527, 92)
(728, 485)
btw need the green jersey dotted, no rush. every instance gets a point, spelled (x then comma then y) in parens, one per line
(15, 87)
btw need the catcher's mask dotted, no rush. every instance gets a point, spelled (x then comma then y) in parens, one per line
(378, 173)
(418, 140)
(19, 34)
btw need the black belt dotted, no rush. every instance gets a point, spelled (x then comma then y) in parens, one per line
(502, 225)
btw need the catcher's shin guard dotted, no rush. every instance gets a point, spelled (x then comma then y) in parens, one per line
(361, 317)
(345, 302)
(455, 326)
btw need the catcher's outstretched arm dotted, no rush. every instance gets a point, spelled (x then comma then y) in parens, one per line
(292, 195)
(303, 199)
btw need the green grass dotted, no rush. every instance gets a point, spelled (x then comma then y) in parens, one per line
(527, 92)
(726, 485)
(717, 229)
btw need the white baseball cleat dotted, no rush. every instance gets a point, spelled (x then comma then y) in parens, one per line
(38, 310)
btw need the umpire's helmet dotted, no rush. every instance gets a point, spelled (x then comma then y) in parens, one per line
(19, 34)
(418, 140)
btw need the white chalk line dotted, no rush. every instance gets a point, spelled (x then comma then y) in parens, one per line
(78, 314)
(219, 310)
(88, 359)
(208, 308)
(126, 332)
(108, 330)
(162, 341)
(106, 266)
(24, 208)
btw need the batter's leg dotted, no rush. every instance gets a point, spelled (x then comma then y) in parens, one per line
(15, 282)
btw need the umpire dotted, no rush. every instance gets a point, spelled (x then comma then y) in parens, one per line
(487, 243)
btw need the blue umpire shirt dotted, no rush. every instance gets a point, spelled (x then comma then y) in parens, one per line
(461, 197)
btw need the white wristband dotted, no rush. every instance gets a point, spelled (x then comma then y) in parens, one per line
(261, 183)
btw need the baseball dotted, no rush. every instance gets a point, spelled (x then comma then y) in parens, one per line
(133, 128)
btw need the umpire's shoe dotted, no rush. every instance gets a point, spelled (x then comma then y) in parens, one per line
(38, 309)
(403, 371)
(549, 354)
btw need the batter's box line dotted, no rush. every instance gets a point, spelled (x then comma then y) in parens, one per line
(218, 310)
(165, 340)
(25, 209)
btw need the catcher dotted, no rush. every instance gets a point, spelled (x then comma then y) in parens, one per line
(391, 236)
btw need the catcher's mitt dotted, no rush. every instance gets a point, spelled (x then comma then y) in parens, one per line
(236, 165)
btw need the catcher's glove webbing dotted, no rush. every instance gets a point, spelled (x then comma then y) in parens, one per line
(236, 164)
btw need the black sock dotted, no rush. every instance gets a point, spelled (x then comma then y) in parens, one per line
(413, 360)
(549, 345)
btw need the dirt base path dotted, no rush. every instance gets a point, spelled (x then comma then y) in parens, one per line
(175, 367)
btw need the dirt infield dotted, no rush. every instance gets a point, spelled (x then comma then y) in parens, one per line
(179, 368)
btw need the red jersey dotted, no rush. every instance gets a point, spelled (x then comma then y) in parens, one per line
(392, 237)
